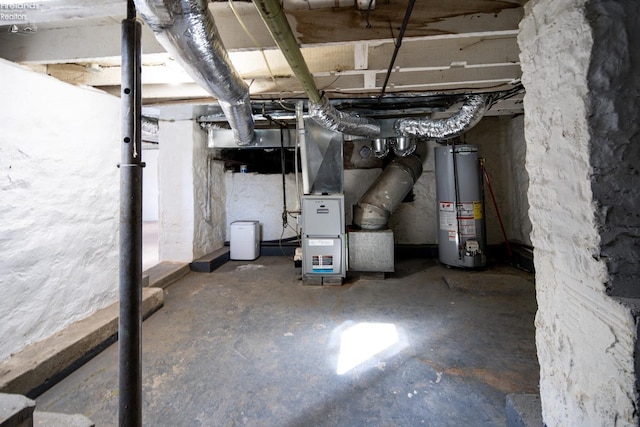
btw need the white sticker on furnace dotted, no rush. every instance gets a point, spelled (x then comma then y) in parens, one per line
(320, 242)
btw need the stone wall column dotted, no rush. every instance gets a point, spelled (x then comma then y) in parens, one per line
(585, 338)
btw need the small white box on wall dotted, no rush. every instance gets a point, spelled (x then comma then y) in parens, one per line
(245, 240)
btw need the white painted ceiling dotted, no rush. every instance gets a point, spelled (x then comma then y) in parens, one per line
(449, 47)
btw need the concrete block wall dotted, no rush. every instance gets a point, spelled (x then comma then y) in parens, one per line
(585, 339)
(59, 201)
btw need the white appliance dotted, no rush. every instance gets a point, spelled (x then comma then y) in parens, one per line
(245, 240)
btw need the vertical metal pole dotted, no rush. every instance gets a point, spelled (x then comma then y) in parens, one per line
(130, 323)
(456, 187)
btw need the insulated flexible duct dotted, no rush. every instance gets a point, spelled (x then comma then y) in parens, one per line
(329, 117)
(320, 109)
(469, 115)
(383, 197)
(187, 31)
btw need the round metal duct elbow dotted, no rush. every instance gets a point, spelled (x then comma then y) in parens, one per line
(471, 112)
(383, 197)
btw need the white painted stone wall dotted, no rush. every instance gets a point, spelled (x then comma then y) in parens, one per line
(501, 143)
(209, 217)
(258, 197)
(188, 228)
(585, 339)
(150, 184)
(416, 222)
(516, 178)
(356, 183)
(59, 201)
(175, 180)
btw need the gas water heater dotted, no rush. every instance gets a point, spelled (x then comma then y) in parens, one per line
(461, 226)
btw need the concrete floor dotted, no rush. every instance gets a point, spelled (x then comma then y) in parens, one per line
(248, 345)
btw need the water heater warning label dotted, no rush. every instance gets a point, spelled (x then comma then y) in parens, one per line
(477, 210)
(463, 222)
(447, 216)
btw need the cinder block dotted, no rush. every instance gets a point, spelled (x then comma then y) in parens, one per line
(371, 250)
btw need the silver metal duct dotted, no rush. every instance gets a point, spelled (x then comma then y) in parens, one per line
(403, 146)
(326, 115)
(469, 115)
(380, 147)
(187, 31)
(383, 197)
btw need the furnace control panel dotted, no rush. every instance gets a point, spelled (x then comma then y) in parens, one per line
(323, 238)
(323, 216)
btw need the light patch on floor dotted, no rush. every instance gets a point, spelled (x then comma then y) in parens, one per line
(363, 341)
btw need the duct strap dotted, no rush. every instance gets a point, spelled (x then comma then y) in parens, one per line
(473, 109)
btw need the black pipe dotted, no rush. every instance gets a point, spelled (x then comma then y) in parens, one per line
(283, 170)
(130, 277)
(405, 22)
(456, 187)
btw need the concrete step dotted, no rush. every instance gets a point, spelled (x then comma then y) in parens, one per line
(41, 364)
(164, 274)
(16, 410)
(210, 262)
(53, 419)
